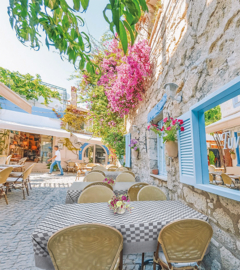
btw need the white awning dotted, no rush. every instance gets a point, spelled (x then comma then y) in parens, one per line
(34, 129)
(14, 98)
(225, 123)
(87, 138)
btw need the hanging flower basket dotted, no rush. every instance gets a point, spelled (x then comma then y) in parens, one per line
(135, 153)
(171, 149)
(233, 156)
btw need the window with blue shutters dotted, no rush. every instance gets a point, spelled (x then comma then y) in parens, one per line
(193, 148)
(161, 153)
(127, 150)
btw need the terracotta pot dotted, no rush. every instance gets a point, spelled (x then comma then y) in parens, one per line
(233, 156)
(155, 171)
(135, 153)
(171, 148)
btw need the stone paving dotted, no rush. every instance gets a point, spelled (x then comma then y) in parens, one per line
(20, 217)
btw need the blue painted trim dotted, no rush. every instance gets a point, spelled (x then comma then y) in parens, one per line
(225, 93)
(237, 150)
(127, 150)
(105, 147)
(8, 105)
(157, 109)
(81, 151)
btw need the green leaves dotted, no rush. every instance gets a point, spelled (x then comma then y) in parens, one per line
(125, 14)
(61, 24)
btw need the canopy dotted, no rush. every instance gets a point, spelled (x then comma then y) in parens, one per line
(225, 123)
(34, 129)
(87, 138)
(14, 98)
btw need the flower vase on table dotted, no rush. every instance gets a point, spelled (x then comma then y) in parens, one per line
(109, 181)
(119, 204)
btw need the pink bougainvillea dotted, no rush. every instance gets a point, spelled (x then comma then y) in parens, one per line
(124, 76)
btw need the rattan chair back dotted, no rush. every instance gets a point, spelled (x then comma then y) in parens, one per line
(8, 160)
(151, 193)
(125, 177)
(28, 171)
(112, 168)
(211, 168)
(99, 184)
(71, 164)
(94, 177)
(185, 240)
(121, 169)
(96, 194)
(134, 189)
(4, 174)
(133, 174)
(210, 178)
(91, 165)
(227, 180)
(22, 161)
(86, 247)
(99, 168)
(103, 173)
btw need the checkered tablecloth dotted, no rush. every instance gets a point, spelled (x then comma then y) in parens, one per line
(112, 175)
(75, 190)
(139, 227)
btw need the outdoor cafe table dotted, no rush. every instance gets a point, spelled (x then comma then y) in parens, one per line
(140, 228)
(2, 167)
(76, 188)
(109, 174)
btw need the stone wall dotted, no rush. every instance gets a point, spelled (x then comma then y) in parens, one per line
(195, 45)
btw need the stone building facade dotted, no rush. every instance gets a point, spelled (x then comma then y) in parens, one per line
(195, 44)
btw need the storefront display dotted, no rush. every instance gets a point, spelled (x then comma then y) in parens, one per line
(37, 148)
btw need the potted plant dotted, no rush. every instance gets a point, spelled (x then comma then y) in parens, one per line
(232, 153)
(155, 171)
(169, 134)
(135, 148)
(119, 204)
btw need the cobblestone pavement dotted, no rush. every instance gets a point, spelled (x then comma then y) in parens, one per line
(20, 217)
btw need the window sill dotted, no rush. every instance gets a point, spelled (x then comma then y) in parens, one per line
(160, 177)
(221, 191)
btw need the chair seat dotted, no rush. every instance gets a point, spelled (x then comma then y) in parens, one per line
(14, 180)
(15, 174)
(175, 265)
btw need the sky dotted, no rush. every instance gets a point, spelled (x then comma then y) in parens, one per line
(48, 64)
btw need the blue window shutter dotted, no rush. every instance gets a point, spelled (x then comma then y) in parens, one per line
(127, 150)
(186, 151)
(161, 153)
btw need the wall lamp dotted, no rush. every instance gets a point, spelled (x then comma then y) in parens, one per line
(171, 89)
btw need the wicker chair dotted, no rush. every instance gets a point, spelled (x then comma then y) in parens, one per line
(96, 194)
(151, 193)
(121, 169)
(98, 172)
(3, 178)
(80, 170)
(71, 166)
(86, 247)
(91, 165)
(20, 180)
(184, 243)
(94, 177)
(134, 189)
(129, 172)
(99, 168)
(8, 160)
(125, 177)
(112, 168)
(99, 184)
(228, 181)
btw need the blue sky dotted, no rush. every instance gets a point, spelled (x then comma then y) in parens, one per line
(48, 64)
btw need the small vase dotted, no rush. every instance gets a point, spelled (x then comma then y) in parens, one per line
(171, 148)
(233, 156)
(121, 211)
(135, 153)
(155, 171)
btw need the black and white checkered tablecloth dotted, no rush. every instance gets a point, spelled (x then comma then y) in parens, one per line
(112, 175)
(75, 190)
(140, 226)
